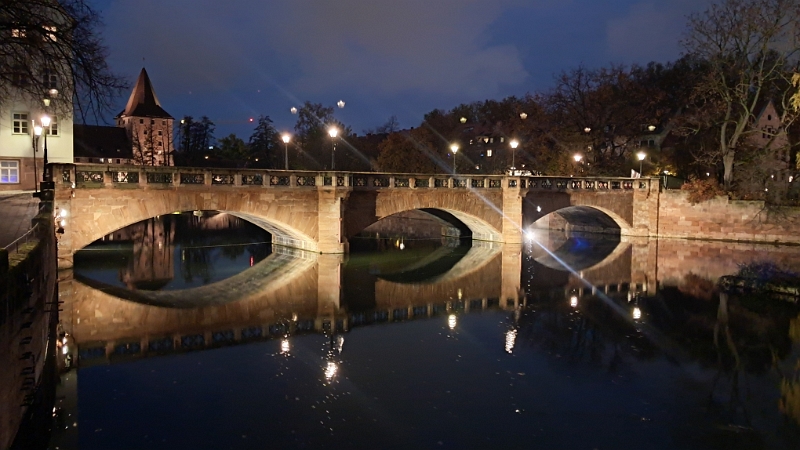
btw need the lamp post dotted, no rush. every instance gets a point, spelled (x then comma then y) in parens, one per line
(578, 157)
(286, 138)
(333, 131)
(37, 131)
(514, 143)
(641, 156)
(45, 121)
(454, 149)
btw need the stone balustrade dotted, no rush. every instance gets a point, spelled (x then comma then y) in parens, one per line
(99, 176)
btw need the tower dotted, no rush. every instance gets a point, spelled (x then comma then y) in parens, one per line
(149, 127)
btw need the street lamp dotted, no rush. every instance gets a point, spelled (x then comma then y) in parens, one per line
(587, 130)
(286, 138)
(641, 156)
(454, 149)
(37, 131)
(45, 121)
(578, 157)
(514, 144)
(333, 131)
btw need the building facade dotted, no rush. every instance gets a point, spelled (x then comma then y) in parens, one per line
(21, 152)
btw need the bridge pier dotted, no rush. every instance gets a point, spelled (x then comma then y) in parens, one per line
(512, 211)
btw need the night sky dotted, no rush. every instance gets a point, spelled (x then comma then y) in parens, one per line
(235, 59)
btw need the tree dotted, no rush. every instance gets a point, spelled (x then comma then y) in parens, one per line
(601, 113)
(234, 149)
(264, 143)
(750, 47)
(311, 130)
(409, 152)
(143, 146)
(48, 44)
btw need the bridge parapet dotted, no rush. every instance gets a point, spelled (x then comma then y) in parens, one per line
(100, 176)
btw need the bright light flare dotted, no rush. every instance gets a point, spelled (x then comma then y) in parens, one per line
(452, 321)
(511, 338)
(330, 370)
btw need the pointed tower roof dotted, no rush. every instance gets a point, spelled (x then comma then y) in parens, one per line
(143, 101)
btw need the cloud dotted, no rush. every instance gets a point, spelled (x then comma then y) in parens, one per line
(309, 47)
(650, 31)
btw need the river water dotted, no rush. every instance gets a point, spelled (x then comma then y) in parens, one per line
(193, 331)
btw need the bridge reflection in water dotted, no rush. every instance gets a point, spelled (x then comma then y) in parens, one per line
(292, 292)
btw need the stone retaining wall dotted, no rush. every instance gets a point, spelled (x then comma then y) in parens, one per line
(724, 219)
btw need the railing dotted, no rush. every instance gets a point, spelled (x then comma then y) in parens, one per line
(30, 235)
(96, 176)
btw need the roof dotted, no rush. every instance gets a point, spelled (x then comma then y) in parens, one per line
(143, 101)
(93, 141)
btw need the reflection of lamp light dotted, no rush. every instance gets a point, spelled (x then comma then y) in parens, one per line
(339, 343)
(573, 301)
(511, 337)
(637, 313)
(330, 370)
(452, 321)
(285, 347)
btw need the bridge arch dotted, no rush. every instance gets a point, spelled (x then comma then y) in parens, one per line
(611, 213)
(481, 214)
(104, 211)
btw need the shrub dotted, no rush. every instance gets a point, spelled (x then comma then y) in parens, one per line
(701, 190)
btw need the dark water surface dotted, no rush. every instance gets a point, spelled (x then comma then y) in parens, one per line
(193, 332)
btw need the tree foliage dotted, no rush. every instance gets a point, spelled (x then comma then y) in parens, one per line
(49, 44)
(750, 47)
(264, 144)
(409, 152)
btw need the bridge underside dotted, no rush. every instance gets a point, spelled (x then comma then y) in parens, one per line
(580, 218)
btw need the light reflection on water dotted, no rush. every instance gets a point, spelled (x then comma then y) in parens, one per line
(452, 346)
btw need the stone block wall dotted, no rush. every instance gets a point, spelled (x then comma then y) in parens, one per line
(723, 219)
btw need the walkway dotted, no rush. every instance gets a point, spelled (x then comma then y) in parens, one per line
(16, 211)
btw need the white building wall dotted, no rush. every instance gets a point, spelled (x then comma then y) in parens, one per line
(15, 146)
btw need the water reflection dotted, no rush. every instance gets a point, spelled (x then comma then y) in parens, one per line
(636, 335)
(206, 247)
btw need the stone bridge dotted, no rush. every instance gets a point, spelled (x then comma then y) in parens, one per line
(320, 211)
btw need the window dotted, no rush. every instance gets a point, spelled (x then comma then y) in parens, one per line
(20, 123)
(141, 121)
(18, 33)
(9, 171)
(53, 131)
(489, 153)
(163, 122)
(502, 139)
(152, 121)
(159, 132)
(50, 79)
(19, 79)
